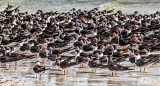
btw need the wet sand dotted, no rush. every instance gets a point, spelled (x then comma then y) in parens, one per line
(21, 74)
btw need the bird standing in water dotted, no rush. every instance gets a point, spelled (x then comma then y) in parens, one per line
(39, 69)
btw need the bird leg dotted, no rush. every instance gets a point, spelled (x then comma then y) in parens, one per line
(95, 70)
(112, 73)
(140, 69)
(15, 65)
(67, 71)
(36, 78)
(64, 72)
(144, 69)
(40, 76)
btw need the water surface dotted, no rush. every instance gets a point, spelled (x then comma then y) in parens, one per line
(65, 5)
(21, 74)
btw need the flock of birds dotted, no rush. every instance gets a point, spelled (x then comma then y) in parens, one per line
(101, 39)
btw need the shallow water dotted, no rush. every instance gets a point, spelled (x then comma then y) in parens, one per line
(65, 5)
(54, 5)
(143, 8)
(21, 74)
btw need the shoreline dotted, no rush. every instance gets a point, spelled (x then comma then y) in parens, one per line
(102, 77)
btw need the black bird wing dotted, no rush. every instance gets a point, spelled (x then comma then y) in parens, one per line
(38, 69)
